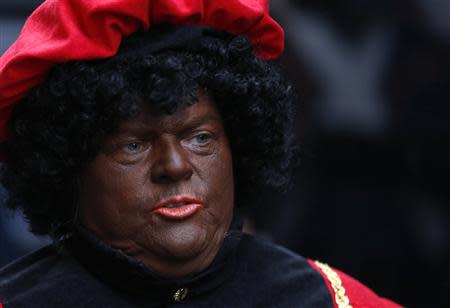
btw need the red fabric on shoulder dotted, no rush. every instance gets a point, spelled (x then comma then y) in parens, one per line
(327, 281)
(362, 296)
(359, 295)
(66, 30)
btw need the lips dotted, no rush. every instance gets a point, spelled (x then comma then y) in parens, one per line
(178, 208)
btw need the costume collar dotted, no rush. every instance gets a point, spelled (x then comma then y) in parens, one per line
(115, 268)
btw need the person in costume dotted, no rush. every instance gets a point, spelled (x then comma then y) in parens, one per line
(132, 133)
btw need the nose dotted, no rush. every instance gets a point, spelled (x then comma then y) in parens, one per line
(171, 162)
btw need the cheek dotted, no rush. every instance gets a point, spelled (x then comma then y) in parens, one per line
(219, 171)
(111, 197)
(225, 178)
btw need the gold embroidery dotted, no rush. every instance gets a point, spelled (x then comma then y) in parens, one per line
(342, 300)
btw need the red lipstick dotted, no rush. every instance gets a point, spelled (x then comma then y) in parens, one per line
(178, 208)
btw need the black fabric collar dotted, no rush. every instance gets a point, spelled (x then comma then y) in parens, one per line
(120, 271)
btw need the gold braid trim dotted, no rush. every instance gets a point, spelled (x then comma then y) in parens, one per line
(341, 298)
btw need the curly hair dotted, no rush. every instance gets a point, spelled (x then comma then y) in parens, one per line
(61, 125)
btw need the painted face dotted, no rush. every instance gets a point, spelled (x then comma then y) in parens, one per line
(162, 189)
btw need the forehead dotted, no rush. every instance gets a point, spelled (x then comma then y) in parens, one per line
(201, 112)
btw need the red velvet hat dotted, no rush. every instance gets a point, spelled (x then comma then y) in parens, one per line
(68, 30)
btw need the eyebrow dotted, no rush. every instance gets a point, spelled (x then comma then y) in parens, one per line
(198, 120)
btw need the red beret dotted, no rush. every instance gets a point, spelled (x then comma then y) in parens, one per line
(67, 30)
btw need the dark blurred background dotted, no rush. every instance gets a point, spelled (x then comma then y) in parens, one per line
(371, 195)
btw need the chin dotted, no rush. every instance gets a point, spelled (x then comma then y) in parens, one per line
(189, 242)
(184, 250)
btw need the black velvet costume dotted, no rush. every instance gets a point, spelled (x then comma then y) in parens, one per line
(85, 272)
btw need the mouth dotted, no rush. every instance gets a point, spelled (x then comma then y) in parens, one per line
(177, 208)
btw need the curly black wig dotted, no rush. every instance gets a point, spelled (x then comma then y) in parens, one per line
(61, 125)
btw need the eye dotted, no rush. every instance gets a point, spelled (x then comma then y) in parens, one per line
(202, 142)
(202, 138)
(132, 147)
